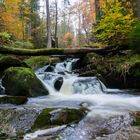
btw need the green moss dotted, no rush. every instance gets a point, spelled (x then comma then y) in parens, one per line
(136, 116)
(40, 61)
(1, 56)
(10, 61)
(13, 100)
(20, 81)
(137, 121)
(32, 52)
(43, 120)
(67, 116)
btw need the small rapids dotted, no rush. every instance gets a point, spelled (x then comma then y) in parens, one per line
(108, 108)
(67, 89)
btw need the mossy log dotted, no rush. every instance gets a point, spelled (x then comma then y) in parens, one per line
(52, 51)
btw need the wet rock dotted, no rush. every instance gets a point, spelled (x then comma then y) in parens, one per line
(55, 117)
(2, 89)
(13, 119)
(58, 83)
(19, 81)
(88, 85)
(13, 100)
(90, 128)
(49, 69)
(10, 61)
(61, 73)
(127, 133)
(74, 65)
(47, 134)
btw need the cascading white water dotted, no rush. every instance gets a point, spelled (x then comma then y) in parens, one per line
(2, 89)
(88, 92)
(72, 84)
(76, 90)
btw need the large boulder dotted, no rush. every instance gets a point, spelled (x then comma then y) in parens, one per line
(20, 81)
(14, 120)
(10, 61)
(51, 117)
(49, 69)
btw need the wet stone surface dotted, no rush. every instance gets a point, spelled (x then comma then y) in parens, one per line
(92, 128)
(14, 119)
(126, 133)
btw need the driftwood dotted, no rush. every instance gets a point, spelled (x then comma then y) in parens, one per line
(52, 51)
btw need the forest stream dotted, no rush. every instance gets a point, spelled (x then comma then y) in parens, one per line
(107, 110)
(88, 92)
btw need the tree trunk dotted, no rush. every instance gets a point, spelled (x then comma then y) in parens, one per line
(56, 22)
(49, 40)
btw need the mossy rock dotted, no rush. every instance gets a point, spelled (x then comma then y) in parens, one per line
(20, 81)
(54, 117)
(13, 100)
(10, 61)
(36, 62)
(136, 116)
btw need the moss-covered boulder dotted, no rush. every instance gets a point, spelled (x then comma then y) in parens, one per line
(10, 61)
(54, 117)
(36, 62)
(20, 81)
(13, 100)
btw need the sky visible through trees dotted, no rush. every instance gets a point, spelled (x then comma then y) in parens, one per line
(70, 22)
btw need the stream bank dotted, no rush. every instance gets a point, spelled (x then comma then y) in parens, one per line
(77, 107)
(121, 70)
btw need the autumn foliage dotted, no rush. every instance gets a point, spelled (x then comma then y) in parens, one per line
(115, 25)
(68, 39)
(11, 16)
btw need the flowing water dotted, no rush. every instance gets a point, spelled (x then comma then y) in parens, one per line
(67, 89)
(73, 91)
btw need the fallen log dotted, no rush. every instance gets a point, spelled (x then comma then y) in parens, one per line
(52, 51)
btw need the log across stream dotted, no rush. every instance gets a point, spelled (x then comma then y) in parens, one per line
(52, 51)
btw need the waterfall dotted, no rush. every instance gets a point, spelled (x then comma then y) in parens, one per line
(68, 90)
(71, 91)
(71, 84)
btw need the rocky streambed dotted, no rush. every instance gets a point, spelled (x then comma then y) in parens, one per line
(56, 103)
